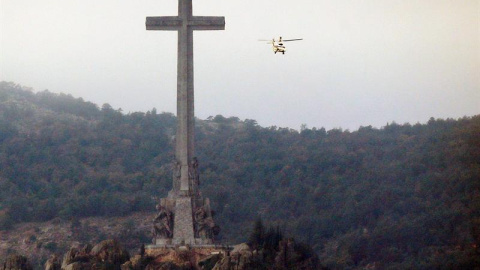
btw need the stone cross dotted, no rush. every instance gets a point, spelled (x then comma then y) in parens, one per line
(185, 23)
(184, 201)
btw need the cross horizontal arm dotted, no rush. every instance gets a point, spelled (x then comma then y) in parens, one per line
(207, 23)
(163, 23)
(173, 23)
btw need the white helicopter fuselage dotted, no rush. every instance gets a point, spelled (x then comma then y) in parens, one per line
(278, 48)
(277, 44)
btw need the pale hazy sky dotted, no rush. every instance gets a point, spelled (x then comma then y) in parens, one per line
(364, 62)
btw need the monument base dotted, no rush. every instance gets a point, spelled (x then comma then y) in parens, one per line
(183, 232)
(190, 256)
(171, 243)
(184, 220)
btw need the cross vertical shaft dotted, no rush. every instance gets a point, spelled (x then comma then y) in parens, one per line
(184, 198)
(185, 23)
(184, 150)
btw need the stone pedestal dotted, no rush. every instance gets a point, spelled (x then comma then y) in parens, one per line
(183, 233)
(185, 223)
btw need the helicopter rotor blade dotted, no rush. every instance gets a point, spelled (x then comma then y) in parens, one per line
(296, 39)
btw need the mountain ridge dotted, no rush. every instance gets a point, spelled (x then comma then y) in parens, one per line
(403, 195)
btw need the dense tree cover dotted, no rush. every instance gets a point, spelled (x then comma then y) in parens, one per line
(77, 160)
(403, 196)
(274, 251)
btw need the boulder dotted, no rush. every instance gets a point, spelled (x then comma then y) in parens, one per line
(111, 251)
(74, 255)
(108, 254)
(210, 261)
(127, 266)
(136, 263)
(241, 248)
(240, 260)
(68, 257)
(16, 262)
(78, 266)
(53, 263)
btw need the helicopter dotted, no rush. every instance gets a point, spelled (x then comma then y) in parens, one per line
(277, 45)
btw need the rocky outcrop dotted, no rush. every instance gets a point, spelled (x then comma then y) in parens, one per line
(15, 262)
(108, 254)
(53, 263)
(110, 251)
(210, 261)
(137, 262)
(168, 266)
(289, 256)
(74, 256)
(239, 258)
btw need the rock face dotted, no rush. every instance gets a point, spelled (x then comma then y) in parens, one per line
(138, 262)
(16, 262)
(108, 254)
(110, 251)
(182, 257)
(210, 261)
(53, 263)
(241, 257)
(290, 256)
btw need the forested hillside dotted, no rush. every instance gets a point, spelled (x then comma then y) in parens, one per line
(403, 196)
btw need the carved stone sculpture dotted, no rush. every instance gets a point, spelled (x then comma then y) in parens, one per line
(204, 225)
(193, 175)
(163, 223)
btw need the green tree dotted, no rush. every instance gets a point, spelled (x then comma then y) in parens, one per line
(257, 236)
